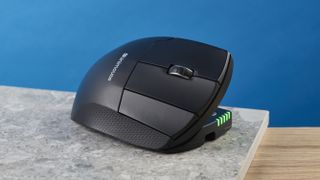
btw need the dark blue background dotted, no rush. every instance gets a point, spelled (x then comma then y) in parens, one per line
(275, 44)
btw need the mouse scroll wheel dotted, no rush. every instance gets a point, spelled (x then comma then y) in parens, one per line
(180, 71)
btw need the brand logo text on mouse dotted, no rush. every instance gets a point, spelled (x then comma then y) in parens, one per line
(116, 66)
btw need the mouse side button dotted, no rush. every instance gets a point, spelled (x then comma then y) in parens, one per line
(158, 115)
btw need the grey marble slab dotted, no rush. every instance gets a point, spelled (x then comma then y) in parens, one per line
(39, 141)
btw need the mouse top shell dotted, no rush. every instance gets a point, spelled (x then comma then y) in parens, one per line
(153, 92)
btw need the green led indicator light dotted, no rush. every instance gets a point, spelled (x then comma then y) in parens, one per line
(223, 118)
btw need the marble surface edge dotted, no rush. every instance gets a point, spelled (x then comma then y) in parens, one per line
(39, 141)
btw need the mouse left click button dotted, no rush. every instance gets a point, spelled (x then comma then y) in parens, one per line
(180, 71)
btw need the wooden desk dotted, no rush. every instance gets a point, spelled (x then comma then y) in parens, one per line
(287, 153)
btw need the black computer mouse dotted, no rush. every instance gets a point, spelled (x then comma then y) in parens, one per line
(159, 93)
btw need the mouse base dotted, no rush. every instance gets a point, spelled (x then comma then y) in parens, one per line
(217, 125)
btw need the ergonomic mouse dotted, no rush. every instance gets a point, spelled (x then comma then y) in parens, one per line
(158, 93)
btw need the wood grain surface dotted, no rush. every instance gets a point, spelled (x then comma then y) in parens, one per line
(287, 153)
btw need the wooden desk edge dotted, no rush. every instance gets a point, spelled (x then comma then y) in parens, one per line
(253, 149)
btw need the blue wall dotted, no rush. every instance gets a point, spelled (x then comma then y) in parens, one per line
(275, 44)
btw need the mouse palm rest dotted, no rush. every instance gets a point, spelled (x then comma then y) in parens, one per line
(157, 93)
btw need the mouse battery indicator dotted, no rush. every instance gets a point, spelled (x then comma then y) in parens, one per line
(223, 118)
(220, 117)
